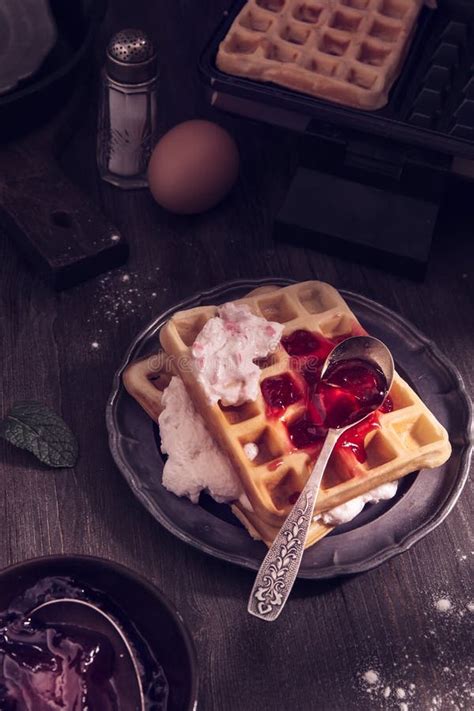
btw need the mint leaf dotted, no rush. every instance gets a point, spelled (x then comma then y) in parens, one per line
(35, 427)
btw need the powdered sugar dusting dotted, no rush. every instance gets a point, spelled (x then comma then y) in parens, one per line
(443, 604)
(123, 293)
(430, 673)
(371, 676)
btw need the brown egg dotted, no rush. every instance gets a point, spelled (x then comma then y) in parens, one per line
(193, 167)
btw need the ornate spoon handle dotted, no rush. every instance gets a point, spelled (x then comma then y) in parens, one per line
(280, 566)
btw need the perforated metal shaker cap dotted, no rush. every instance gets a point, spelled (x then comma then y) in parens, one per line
(131, 57)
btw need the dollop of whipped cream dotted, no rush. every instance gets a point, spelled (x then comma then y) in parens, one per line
(224, 352)
(346, 512)
(251, 451)
(195, 461)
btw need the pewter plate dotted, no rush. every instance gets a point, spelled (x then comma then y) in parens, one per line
(382, 530)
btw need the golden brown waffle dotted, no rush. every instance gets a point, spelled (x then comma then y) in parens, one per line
(408, 438)
(259, 530)
(347, 51)
(145, 380)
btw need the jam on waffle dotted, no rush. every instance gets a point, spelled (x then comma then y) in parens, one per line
(348, 391)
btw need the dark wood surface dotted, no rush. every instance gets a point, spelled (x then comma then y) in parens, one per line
(64, 348)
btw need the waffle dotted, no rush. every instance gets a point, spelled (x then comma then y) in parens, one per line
(347, 51)
(407, 439)
(145, 380)
(261, 531)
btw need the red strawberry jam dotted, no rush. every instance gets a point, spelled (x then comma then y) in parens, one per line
(354, 438)
(350, 390)
(308, 352)
(387, 405)
(305, 434)
(279, 393)
(305, 343)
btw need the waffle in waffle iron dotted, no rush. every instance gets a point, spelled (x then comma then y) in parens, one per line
(347, 51)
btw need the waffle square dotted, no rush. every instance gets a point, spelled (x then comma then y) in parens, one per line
(407, 438)
(346, 51)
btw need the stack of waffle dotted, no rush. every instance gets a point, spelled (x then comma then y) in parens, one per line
(347, 51)
(406, 439)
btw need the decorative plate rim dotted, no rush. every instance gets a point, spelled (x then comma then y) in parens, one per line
(334, 570)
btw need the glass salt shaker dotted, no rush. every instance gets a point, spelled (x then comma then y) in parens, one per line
(127, 111)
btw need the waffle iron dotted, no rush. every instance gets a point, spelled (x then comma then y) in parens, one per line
(370, 184)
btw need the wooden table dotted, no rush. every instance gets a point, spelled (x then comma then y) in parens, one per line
(64, 348)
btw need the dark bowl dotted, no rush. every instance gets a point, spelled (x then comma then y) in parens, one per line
(154, 616)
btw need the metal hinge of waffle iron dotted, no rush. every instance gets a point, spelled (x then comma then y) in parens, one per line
(353, 153)
(371, 157)
(412, 170)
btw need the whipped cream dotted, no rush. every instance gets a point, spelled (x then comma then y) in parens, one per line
(223, 354)
(346, 512)
(251, 450)
(195, 462)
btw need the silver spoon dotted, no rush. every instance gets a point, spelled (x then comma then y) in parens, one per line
(280, 566)
(68, 611)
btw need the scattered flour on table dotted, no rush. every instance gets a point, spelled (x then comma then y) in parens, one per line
(443, 604)
(463, 555)
(121, 293)
(386, 696)
(371, 676)
(435, 661)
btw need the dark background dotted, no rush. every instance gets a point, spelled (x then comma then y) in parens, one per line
(315, 655)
